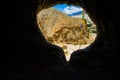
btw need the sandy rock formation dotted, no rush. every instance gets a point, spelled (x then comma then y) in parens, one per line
(61, 28)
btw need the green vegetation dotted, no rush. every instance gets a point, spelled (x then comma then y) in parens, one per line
(83, 17)
(91, 28)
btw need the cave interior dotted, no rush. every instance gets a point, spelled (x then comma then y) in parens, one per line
(25, 53)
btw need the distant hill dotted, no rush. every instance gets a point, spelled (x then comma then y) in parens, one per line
(61, 28)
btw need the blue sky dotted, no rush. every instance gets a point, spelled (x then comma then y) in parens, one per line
(60, 7)
(68, 9)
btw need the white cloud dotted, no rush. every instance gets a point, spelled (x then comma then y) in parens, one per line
(72, 9)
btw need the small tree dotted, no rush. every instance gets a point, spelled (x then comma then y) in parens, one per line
(83, 16)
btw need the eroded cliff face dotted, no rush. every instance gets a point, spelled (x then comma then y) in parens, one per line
(58, 27)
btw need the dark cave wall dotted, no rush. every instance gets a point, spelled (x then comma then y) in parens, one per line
(25, 54)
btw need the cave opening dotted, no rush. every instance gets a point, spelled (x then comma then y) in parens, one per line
(67, 26)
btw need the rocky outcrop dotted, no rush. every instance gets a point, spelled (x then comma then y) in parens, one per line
(61, 28)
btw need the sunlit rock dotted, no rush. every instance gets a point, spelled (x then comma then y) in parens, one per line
(61, 28)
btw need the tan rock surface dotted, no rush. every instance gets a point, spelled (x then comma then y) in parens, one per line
(61, 28)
